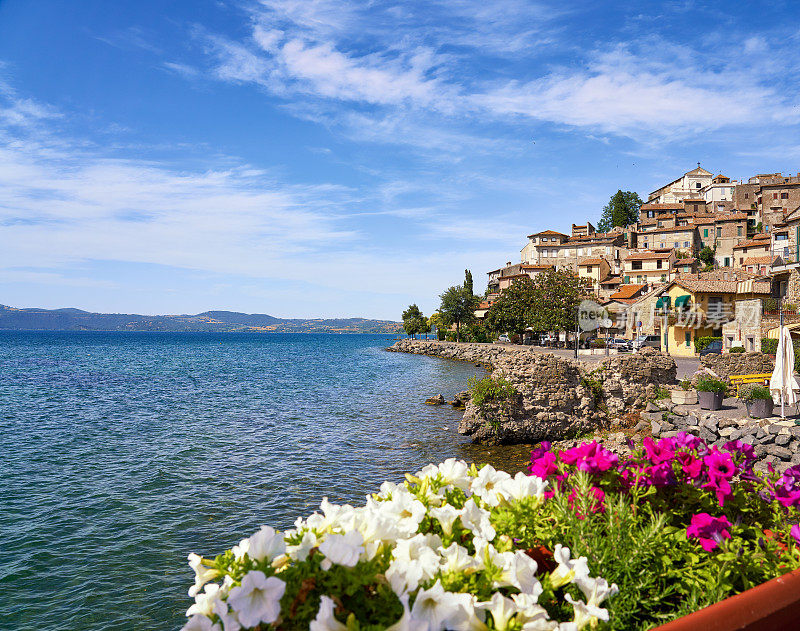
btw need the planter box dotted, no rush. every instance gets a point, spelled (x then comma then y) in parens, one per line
(774, 605)
(760, 408)
(710, 400)
(684, 397)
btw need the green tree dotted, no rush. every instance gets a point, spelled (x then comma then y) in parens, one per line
(556, 296)
(621, 210)
(510, 313)
(424, 326)
(707, 255)
(436, 323)
(413, 321)
(468, 281)
(458, 307)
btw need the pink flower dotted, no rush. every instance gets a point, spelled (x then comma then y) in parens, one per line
(692, 466)
(590, 457)
(688, 441)
(661, 474)
(786, 497)
(662, 452)
(720, 464)
(544, 466)
(795, 532)
(709, 530)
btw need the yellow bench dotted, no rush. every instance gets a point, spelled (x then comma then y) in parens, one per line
(740, 380)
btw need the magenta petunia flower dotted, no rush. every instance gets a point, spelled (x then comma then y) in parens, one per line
(795, 532)
(692, 466)
(710, 531)
(786, 497)
(688, 441)
(544, 466)
(662, 452)
(590, 457)
(720, 464)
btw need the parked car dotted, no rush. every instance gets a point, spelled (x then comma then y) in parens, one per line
(713, 348)
(504, 339)
(620, 344)
(647, 340)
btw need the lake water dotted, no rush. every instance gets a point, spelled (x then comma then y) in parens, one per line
(120, 453)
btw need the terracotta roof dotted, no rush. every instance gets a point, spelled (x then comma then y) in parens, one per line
(656, 206)
(625, 301)
(759, 260)
(484, 305)
(626, 292)
(689, 261)
(611, 280)
(646, 256)
(596, 261)
(535, 266)
(756, 241)
(721, 286)
(675, 229)
(549, 233)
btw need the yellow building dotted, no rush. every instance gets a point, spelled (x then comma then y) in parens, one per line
(699, 308)
(594, 270)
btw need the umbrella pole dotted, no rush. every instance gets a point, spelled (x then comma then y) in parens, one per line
(783, 390)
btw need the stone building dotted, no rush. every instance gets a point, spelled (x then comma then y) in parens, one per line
(690, 184)
(649, 267)
(721, 232)
(543, 247)
(758, 246)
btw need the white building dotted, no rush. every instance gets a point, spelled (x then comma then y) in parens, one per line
(690, 184)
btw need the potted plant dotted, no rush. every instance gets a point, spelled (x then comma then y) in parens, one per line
(758, 400)
(684, 395)
(710, 392)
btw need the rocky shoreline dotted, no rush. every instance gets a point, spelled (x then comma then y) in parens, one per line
(563, 399)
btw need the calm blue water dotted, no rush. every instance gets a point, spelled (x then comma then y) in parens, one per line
(120, 453)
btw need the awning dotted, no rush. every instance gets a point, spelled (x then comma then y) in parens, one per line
(682, 302)
(663, 302)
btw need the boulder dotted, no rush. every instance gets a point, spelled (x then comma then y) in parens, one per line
(437, 400)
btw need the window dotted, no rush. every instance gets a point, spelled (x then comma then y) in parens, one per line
(727, 262)
(738, 231)
(686, 244)
(658, 264)
(774, 196)
(663, 278)
(746, 195)
(705, 232)
(719, 231)
(688, 338)
(588, 269)
(784, 195)
(697, 185)
(677, 244)
(636, 265)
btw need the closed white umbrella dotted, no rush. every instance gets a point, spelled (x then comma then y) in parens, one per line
(782, 383)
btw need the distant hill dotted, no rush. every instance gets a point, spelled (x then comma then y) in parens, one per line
(213, 321)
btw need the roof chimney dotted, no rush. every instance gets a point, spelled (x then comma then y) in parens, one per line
(508, 264)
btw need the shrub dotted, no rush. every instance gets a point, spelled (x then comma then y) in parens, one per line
(736, 349)
(598, 342)
(769, 346)
(686, 384)
(490, 389)
(701, 342)
(753, 392)
(707, 384)
(662, 393)
(769, 304)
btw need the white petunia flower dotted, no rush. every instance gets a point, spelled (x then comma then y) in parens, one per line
(453, 472)
(202, 574)
(405, 510)
(204, 601)
(486, 484)
(521, 486)
(519, 570)
(404, 623)
(300, 551)
(342, 549)
(325, 620)
(585, 614)
(264, 545)
(568, 571)
(376, 528)
(476, 519)
(200, 623)
(446, 515)
(501, 609)
(435, 610)
(596, 590)
(414, 560)
(531, 614)
(456, 558)
(229, 620)
(257, 599)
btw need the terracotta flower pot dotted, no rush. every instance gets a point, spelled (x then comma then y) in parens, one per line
(710, 400)
(771, 606)
(760, 408)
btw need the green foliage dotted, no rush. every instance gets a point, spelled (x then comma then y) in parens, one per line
(475, 332)
(662, 393)
(686, 384)
(736, 349)
(707, 255)
(468, 281)
(510, 312)
(458, 307)
(769, 304)
(556, 296)
(754, 392)
(708, 384)
(414, 322)
(593, 381)
(490, 389)
(769, 346)
(701, 342)
(621, 210)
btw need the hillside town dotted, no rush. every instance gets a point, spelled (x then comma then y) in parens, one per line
(707, 257)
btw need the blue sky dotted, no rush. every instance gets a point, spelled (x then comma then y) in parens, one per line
(315, 158)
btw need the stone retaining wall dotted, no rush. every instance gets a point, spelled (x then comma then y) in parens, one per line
(728, 364)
